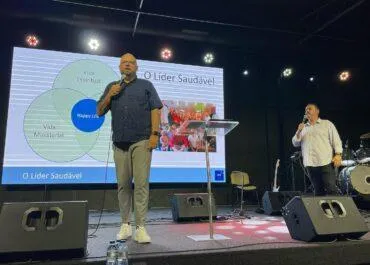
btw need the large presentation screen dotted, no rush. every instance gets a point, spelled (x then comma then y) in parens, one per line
(53, 135)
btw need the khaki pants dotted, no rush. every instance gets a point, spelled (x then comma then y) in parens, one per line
(134, 163)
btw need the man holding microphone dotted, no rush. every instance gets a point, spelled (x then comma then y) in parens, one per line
(135, 108)
(321, 150)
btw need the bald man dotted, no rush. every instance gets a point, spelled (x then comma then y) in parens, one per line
(321, 150)
(135, 108)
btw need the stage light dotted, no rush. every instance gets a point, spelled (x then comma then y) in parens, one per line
(245, 72)
(32, 40)
(344, 76)
(208, 58)
(287, 72)
(312, 79)
(166, 54)
(94, 44)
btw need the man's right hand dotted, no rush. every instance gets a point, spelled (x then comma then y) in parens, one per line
(300, 127)
(299, 130)
(104, 105)
(114, 90)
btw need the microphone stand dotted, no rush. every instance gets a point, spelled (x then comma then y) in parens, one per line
(292, 172)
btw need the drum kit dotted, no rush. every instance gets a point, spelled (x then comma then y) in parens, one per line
(354, 176)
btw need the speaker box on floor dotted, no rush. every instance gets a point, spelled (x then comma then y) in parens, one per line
(323, 218)
(43, 229)
(272, 202)
(191, 206)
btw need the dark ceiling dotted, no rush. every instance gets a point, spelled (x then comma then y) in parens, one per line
(252, 25)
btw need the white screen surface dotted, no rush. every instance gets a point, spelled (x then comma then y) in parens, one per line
(53, 136)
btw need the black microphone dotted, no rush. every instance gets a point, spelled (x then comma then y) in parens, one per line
(122, 79)
(305, 119)
(121, 82)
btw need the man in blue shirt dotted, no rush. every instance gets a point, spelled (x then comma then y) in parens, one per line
(135, 108)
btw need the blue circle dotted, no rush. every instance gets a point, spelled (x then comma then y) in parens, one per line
(84, 116)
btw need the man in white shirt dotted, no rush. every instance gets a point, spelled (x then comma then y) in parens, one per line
(321, 150)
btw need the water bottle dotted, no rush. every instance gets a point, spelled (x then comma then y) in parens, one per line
(122, 252)
(112, 253)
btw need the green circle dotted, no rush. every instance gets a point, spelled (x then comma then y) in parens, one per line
(49, 133)
(103, 143)
(87, 76)
(47, 126)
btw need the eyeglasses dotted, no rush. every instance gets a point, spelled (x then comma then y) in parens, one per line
(128, 62)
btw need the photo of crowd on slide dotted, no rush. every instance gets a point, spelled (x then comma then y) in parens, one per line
(173, 115)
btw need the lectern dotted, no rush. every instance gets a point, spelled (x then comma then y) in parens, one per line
(212, 127)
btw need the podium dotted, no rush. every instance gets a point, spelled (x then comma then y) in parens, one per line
(209, 128)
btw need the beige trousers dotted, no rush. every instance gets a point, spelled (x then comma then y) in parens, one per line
(133, 164)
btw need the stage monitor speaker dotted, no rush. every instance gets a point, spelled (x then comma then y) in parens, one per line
(43, 229)
(323, 218)
(272, 202)
(191, 206)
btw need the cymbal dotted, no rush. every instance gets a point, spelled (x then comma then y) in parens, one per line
(365, 136)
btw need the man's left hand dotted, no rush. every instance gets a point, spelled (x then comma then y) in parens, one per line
(153, 142)
(337, 160)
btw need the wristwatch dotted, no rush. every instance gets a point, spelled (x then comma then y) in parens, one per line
(155, 133)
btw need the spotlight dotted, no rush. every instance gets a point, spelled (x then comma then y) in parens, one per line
(312, 79)
(245, 72)
(344, 76)
(32, 40)
(94, 44)
(166, 54)
(208, 58)
(287, 72)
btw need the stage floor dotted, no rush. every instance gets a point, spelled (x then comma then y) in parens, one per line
(261, 239)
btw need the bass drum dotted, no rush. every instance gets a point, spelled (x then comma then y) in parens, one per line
(355, 180)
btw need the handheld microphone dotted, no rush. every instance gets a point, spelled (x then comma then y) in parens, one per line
(305, 119)
(121, 84)
(122, 79)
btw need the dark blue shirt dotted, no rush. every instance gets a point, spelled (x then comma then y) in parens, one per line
(131, 110)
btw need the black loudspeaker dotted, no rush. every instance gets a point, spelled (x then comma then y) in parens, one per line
(191, 206)
(323, 218)
(43, 229)
(272, 202)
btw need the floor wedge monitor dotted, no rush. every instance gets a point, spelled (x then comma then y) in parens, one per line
(37, 229)
(323, 218)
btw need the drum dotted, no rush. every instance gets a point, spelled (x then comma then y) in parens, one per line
(355, 180)
(348, 163)
(364, 161)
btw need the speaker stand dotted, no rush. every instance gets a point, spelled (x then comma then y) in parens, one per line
(241, 214)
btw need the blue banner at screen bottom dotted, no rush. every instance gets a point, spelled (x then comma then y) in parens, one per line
(80, 175)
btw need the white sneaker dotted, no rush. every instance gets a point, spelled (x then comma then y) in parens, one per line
(125, 232)
(141, 236)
